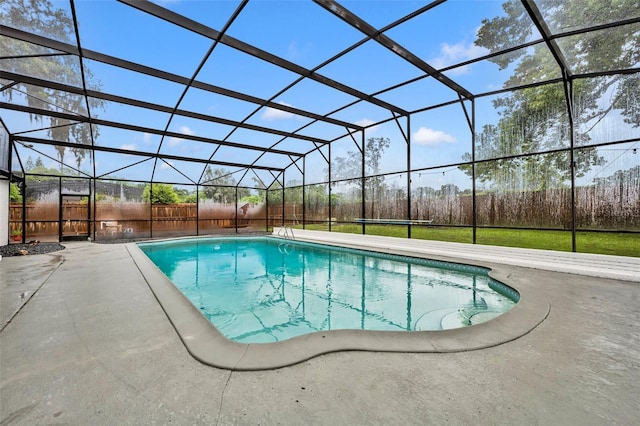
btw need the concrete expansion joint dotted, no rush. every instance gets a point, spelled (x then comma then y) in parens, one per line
(61, 261)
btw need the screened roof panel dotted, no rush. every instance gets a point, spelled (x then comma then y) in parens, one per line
(362, 114)
(131, 84)
(243, 73)
(21, 122)
(261, 179)
(415, 95)
(222, 175)
(201, 128)
(125, 139)
(213, 14)
(442, 41)
(324, 130)
(56, 68)
(34, 105)
(129, 114)
(269, 159)
(370, 68)
(175, 171)
(55, 160)
(64, 131)
(578, 17)
(295, 145)
(51, 20)
(278, 119)
(315, 97)
(213, 104)
(15, 48)
(380, 13)
(535, 64)
(123, 166)
(262, 87)
(298, 31)
(187, 148)
(131, 40)
(253, 138)
(624, 52)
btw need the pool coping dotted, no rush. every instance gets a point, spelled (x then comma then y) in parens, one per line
(206, 344)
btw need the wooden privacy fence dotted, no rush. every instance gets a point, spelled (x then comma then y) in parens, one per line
(598, 207)
(130, 219)
(603, 207)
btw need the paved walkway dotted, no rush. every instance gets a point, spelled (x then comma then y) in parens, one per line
(92, 346)
(594, 265)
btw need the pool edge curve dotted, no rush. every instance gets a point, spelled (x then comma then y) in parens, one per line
(206, 344)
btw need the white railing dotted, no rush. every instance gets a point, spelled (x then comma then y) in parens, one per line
(286, 232)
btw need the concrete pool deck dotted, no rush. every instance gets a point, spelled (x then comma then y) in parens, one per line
(90, 344)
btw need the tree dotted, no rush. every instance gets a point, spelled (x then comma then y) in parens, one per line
(40, 16)
(252, 199)
(40, 169)
(351, 166)
(185, 196)
(28, 165)
(449, 190)
(274, 193)
(161, 193)
(536, 119)
(220, 186)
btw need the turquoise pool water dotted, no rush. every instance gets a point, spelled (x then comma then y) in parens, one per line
(263, 289)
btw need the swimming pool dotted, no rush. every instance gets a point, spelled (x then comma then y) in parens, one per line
(264, 289)
(209, 346)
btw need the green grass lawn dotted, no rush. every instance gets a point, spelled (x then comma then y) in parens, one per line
(614, 243)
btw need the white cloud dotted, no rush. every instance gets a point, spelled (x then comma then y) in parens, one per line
(296, 51)
(430, 137)
(129, 146)
(271, 114)
(146, 137)
(292, 50)
(366, 122)
(451, 54)
(173, 141)
(165, 166)
(187, 131)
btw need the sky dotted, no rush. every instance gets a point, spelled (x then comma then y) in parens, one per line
(300, 32)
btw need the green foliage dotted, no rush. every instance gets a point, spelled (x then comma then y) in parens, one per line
(185, 196)
(535, 119)
(274, 193)
(44, 18)
(14, 193)
(351, 166)
(252, 199)
(190, 198)
(220, 185)
(39, 168)
(160, 193)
